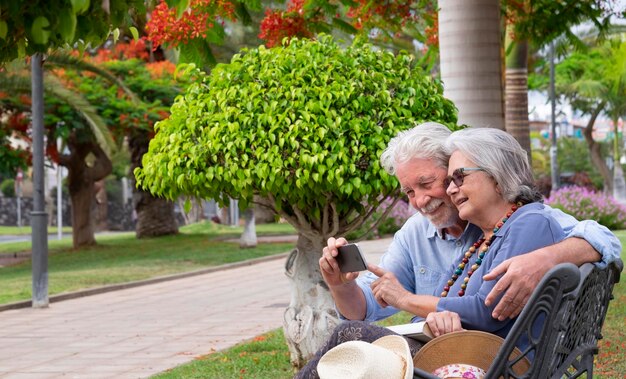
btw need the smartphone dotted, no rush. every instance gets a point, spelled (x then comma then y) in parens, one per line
(350, 258)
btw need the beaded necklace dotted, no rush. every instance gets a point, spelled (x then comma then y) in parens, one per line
(483, 250)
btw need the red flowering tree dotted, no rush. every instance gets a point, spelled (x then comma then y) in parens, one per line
(194, 26)
(122, 110)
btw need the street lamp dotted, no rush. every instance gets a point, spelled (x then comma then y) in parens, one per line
(554, 168)
(59, 192)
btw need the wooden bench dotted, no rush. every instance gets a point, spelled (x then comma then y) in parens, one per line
(572, 303)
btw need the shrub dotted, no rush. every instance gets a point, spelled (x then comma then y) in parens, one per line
(586, 204)
(390, 224)
(8, 188)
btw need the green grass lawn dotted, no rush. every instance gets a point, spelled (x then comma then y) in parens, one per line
(25, 230)
(264, 357)
(611, 360)
(267, 356)
(121, 258)
(206, 228)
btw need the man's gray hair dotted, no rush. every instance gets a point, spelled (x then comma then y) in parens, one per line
(424, 141)
(501, 156)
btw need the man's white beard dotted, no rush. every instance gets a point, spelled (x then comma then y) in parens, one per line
(451, 215)
(431, 206)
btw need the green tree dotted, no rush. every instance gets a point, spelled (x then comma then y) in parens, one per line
(154, 86)
(594, 81)
(301, 127)
(33, 28)
(531, 25)
(30, 27)
(69, 115)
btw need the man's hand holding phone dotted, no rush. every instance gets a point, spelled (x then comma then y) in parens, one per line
(350, 258)
(329, 264)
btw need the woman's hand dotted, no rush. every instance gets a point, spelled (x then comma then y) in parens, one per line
(443, 322)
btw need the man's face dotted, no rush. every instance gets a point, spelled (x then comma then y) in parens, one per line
(422, 181)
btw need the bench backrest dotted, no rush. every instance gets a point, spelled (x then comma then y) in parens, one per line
(570, 303)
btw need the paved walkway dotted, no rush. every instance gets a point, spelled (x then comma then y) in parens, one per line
(138, 332)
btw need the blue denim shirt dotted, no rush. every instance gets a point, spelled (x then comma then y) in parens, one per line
(420, 256)
(528, 229)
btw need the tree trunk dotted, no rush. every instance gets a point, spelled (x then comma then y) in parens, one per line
(195, 213)
(471, 65)
(311, 315)
(86, 164)
(594, 151)
(516, 89)
(82, 222)
(619, 185)
(101, 206)
(155, 216)
(248, 237)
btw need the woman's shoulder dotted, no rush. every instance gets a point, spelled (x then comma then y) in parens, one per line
(533, 216)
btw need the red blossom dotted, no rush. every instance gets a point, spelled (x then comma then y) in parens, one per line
(161, 69)
(278, 25)
(19, 122)
(164, 27)
(370, 15)
(432, 32)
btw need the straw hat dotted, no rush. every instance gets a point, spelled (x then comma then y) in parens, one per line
(467, 351)
(388, 357)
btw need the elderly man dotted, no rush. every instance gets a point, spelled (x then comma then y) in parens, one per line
(423, 250)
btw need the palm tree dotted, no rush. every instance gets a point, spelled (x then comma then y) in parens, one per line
(94, 141)
(533, 25)
(470, 46)
(156, 216)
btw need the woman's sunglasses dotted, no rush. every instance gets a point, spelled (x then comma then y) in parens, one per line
(459, 175)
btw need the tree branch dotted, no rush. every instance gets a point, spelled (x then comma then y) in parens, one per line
(357, 221)
(102, 165)
(325, 226)
(335, 225)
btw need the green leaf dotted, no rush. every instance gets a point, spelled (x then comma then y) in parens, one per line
(134, 32)
(80, 6)
(216, 34)
(340, 24)
(187, 205)
(3, 29)
(67, 25)
(39, 30)
(116, 34)
(197, 51)
(242, 13)
(181, 7)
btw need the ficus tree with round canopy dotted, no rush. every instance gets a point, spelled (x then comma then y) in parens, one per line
(300, 127)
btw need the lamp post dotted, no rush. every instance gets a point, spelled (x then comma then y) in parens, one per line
(59, 192)
(18, 192)
(39, 217)
(554, 167)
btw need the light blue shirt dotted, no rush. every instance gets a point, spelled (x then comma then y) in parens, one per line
(419, 256)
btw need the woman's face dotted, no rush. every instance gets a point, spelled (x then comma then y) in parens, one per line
(477, 193)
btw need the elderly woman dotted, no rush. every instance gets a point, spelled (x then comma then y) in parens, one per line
(490, 182)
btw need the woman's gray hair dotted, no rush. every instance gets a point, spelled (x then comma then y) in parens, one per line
(502, 157)
(424, 141)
